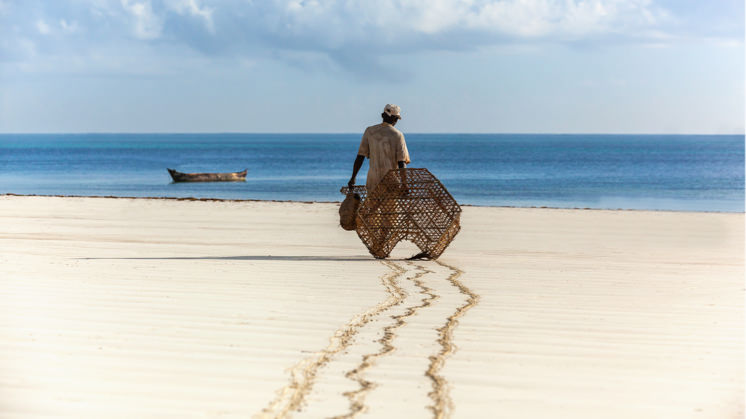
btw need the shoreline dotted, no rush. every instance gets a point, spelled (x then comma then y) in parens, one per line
(174, 198)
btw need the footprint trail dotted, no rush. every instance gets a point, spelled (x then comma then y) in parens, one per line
(290, 398)
(357, 397)
(442, 405)
(426, 287)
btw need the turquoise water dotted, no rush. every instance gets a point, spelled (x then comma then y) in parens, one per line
(661, 172)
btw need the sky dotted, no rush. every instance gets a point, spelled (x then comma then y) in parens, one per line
(328, 66)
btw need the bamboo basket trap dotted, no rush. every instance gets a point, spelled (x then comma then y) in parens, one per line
(422, 212)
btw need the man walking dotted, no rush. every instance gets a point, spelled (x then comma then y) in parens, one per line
(386, 149)
(384, 146)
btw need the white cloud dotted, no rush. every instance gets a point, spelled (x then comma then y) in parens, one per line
(362, 26)
(352, 34)
(355, 33)
(146, 24)
(511, 18)
(42, 27)
(69, 27)
(193, 8)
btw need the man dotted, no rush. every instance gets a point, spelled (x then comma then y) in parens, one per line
(385, 147)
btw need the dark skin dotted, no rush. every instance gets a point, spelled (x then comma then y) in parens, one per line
(392, 120)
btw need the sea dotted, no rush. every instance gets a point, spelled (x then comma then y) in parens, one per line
(636, 172)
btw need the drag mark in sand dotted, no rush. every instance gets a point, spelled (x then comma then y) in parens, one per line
(442, 403)
(290, 398)
(357, 397)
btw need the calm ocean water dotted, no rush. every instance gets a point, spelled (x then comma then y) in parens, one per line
(662, 172)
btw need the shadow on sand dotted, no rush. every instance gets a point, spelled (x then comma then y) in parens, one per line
(259, 258)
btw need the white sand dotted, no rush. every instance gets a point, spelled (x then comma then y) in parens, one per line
(161, 308)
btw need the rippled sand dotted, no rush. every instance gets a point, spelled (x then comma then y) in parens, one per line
(164, 308)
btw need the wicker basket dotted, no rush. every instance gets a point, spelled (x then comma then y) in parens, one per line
(348, 211)
(408, 204)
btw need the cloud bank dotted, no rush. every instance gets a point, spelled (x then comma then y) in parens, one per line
(352, 34)
(389, 25)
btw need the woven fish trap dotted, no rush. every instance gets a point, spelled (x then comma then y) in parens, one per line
(408, 204)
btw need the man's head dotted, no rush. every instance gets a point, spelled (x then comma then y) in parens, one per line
(391, 114)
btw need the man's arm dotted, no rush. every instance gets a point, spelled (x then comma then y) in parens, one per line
(356, 168)
(403, 165)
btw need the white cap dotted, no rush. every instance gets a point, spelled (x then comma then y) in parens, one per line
(392, 110)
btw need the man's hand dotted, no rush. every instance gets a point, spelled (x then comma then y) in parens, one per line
(355, 168)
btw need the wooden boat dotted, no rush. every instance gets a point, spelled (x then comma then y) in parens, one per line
(207, 177)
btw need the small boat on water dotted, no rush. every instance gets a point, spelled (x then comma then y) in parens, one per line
(207, 177)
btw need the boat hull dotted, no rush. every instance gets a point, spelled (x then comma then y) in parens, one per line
(207, 177)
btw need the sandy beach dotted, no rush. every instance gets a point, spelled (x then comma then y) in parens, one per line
(154, 308)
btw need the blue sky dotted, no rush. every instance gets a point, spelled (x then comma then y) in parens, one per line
(538, 66)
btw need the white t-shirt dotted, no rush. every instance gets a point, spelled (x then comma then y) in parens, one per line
(384, 145)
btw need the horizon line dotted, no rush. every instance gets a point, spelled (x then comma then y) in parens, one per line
(356, 133)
